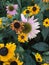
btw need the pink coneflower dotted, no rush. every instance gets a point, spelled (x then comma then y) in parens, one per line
(12, 9)
(31, 26)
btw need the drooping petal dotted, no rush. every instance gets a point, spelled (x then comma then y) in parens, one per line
(12, 12)
(23, 18)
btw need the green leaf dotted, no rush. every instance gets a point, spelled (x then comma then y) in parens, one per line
(19, 3)
(19, 49)
(41, 46)
(29, 60)
(46, 59)
(46, 53)
(40, 18)
(45, 32)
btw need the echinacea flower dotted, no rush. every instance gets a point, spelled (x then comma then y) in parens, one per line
(46, 22)
(22, 37)
(12, 9)
(14, 61)
(35, 9)
(17, 26)
(38, 57)
(30, 26)
(7, 51)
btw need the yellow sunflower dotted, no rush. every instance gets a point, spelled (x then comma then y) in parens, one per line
(7, 51)
(14, 61)
(27, 12)
(35, 9)
(22, 37)
(46, 22)
(38, 57)
(17, 26)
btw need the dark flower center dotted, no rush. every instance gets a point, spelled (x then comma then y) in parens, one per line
(46, 22)
(11, 8)
(1, 62)
(17, 25)
(38, 59)
(13, 63)
(34, 8)
(27, 28)
(22, 37)
(3, 51)
(27, 11)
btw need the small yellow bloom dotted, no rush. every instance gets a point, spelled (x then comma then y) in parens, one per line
(45, 64)
(35, 9)
(38, 57)
(27, 12)
(9, 16)
(46, 22)
(0, 21)
(7, 51)
(22, 38)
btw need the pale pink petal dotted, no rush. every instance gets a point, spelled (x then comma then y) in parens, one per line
(12, 12)
(35, 20)
(31, 19)
(7, 7)
(15, 6)
(23, 18)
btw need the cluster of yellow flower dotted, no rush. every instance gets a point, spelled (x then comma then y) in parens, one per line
(7, 55)
(31, 10)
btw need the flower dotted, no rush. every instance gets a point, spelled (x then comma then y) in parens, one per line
(1, 45)
(35, 9)
(46, 22)
(38, 57)
(30, 26)
(11, 9)
(45, 64)
(45, 0)
(22, 37)
(14, 61)
(27, 12)
(0, 21)
(1, 26)
(17, 26)
(9, 16)
(7, 52)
